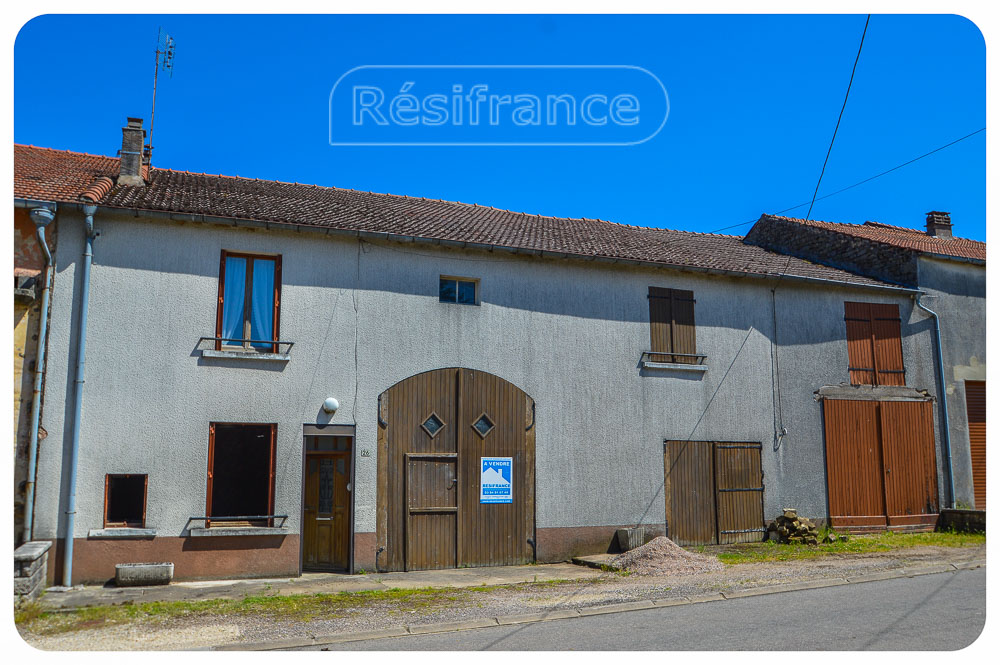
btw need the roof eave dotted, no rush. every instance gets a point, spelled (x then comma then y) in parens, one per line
(444, 242)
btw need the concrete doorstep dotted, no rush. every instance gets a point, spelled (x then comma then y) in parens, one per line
(555, 615)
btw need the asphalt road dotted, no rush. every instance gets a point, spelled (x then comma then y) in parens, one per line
(943, 611)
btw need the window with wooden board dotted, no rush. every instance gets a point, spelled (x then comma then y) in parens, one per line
(671, 326)
(874, 344)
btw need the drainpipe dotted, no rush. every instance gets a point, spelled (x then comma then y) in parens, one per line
(944, 400)
(42, 217)
(81, 348)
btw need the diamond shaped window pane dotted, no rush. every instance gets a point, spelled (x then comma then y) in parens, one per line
(484, 425)
(432, 425)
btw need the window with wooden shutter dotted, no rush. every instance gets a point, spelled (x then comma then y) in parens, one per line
(671, 325)
(874, 344)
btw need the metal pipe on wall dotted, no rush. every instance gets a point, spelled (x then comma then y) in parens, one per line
(81, 348)
(946, 424)
(42, 217)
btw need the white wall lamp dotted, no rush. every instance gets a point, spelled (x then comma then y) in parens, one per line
(330, 405)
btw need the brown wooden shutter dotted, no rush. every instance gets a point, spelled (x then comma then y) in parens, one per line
(860, 356)
(222, 291)
(975, 407)
(277, 302)
(660, 334)
(888, 345)
(682, 308)
(270, 473)
(211, 466)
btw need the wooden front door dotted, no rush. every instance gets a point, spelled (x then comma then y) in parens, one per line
(326, 513)
(435, 429)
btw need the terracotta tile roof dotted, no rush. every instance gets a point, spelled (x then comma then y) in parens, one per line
(897, 236)
(65, 176)
(45, 174)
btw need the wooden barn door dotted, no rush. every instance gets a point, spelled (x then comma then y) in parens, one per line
(714, 492)
(880, 462)
(975, 406)
(434, 430)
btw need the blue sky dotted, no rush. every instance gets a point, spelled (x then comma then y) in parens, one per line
(753, 103)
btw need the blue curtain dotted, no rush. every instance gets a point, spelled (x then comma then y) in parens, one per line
(233, 298)
(262, 312)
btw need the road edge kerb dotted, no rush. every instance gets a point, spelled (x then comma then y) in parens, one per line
(631, 606)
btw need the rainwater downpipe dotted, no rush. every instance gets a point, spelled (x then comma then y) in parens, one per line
(42, 217)
(81, 349)
(946, 424)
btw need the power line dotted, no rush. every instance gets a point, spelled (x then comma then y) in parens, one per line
(861, 182)
(839, 117)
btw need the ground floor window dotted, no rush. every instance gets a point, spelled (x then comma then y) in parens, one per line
(241, 474)
(125, 500)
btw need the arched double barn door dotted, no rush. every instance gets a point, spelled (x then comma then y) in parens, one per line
(456, 472)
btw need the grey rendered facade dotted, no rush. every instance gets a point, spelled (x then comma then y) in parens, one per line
(364, 315)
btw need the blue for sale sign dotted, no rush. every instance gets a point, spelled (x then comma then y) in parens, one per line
(496, 482)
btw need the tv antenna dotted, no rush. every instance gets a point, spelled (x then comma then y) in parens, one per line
(164, 58)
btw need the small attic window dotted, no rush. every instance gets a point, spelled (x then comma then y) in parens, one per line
(459, 290)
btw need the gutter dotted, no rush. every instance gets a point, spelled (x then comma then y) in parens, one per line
(384, 235)
(42, 216)
(81, 349)
(945, 423)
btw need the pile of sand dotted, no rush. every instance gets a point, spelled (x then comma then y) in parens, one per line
(661, 556)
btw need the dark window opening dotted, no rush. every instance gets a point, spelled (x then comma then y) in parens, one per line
(458, 290)
(125, 500)
(241, 473)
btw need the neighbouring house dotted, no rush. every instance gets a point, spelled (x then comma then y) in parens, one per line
(283, 377)
(951, 272)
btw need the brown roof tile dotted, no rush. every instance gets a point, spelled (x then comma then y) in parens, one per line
(898, 236)
(42, 173)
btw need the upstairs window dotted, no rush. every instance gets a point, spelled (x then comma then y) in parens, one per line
(460, 290)
(125, 500)
(671, 326)
(249, 299)
(874, 344)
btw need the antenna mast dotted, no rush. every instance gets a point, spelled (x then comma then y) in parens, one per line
(164, 57)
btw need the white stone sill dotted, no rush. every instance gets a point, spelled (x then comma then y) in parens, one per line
(675, 366)
(245, 355)
(121, 533)
(218, 531)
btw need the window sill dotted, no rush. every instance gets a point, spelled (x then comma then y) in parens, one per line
(219, 531)
(121, 533)
(684, 367)
(245, 355)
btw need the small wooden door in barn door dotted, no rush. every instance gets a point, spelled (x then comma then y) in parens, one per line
(440, 433)
(714, 492)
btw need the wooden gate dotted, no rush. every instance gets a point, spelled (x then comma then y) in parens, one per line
(880, 463)
(714, 492)
(975, 408)
(434, 429)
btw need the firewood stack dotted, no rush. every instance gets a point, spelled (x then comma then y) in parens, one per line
(790, 528)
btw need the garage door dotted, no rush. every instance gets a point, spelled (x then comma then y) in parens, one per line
(456, 472)
(880, 462)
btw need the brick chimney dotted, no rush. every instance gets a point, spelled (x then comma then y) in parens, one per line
(939, 224)
(133, 137)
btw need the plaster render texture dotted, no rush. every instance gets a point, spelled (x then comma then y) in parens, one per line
(569, 333)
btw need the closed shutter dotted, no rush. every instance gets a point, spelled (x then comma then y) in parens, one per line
(874, 344)
(682, 308)
(886, 336)
(671, 325)
(860, 358)
(660, 337)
